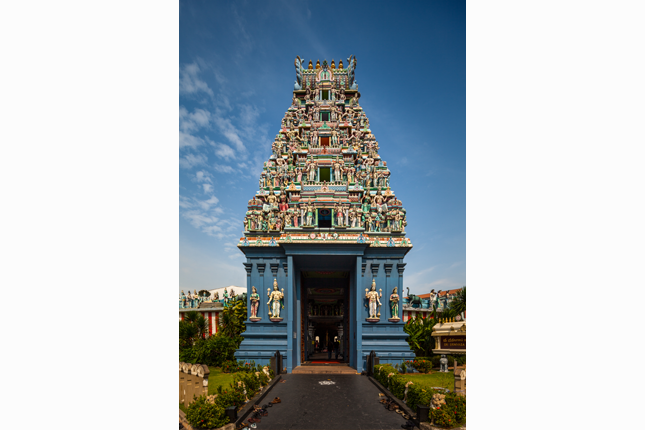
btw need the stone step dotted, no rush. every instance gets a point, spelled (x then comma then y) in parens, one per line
(325, 369)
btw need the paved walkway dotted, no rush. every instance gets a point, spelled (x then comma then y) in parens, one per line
(340, 402)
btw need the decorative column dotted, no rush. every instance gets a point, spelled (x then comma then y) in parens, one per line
(292, 309)
(393, 317)
(248, 267)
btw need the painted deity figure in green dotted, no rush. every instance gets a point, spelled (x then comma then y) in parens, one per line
(255, 302)
(394, 303)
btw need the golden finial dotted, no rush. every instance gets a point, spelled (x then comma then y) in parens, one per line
(333, 65)
(311, 66)
(317, 64)
(340, 64)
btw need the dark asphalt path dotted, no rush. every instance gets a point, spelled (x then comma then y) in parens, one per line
(351, 402)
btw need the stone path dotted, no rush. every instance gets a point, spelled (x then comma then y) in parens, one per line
(326, 402)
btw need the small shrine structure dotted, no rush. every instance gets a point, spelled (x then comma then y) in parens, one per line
(324, 235)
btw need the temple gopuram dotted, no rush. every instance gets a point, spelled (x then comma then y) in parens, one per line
(324, 235)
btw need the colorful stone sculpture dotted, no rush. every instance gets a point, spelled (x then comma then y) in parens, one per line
(255, 303)
(325, 157)
(275, 299)
(373, 302)
(394, 305)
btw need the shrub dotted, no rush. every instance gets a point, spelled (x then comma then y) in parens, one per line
(213, 351)
(229, 366)
(421, 365)
(203, 414)
(461, 359)
(447, 416)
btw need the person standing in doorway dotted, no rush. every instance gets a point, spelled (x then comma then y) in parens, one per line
(330, 347)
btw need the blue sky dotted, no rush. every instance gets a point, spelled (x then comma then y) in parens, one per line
(236, 77)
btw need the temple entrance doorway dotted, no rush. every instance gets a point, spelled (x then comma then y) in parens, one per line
(325, 317)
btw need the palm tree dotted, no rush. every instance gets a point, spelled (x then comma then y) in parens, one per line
(199, 323)
(458, 303)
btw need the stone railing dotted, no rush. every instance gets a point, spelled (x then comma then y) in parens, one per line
(193, 381)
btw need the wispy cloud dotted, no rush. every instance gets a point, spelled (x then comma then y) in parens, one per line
(222, 168)
(203, 176)
(190, 160)
(206, 215)
(190, 82)
(192, 121)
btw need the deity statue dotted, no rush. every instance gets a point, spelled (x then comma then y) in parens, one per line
(338, 176)
(313, 170)
(276, 297)
(182, 300)
(373, 298)
(433, 298)
(297, 85)
(366, 202)
(272, 200)
(255, 302)
(216, 296)
(339, 215)
(310, 213)
(394, 303)
(351, 66)
(195, 299)
(225, 297)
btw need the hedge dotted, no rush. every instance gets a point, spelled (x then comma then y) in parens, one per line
(207, 412)
(450, 415)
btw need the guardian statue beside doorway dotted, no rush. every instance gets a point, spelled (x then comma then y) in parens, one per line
(276, 297)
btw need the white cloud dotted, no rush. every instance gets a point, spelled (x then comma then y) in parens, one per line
(208, 188)
(223, 168)
(207, 204)
(191, 122)
(189, 81)
(202, 176)
(189, 141)
(184, 202)
(191, 160)
(198, 219)
(224, 151)
(231, 132)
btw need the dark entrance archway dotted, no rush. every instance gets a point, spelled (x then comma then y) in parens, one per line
(325, 316)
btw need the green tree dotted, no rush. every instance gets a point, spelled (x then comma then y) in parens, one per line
(419, 332)
(458, 303)
(233, 317)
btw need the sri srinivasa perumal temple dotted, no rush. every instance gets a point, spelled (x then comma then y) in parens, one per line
(330, 231)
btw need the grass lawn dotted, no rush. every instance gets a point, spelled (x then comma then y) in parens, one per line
(217, 378)
(434, 379)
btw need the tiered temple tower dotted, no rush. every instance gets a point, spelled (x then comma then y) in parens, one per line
(329, 226)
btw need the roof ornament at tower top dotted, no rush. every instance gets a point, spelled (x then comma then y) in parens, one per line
(297, 85)
(340, 64)
(311, 65)
(333, 65)
(351, 66)
(317, 64)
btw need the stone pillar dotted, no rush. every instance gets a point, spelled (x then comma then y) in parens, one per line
(460, 379)
(182, 384)
(188, 392)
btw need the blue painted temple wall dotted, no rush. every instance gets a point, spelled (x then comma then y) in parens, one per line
(263, 338)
